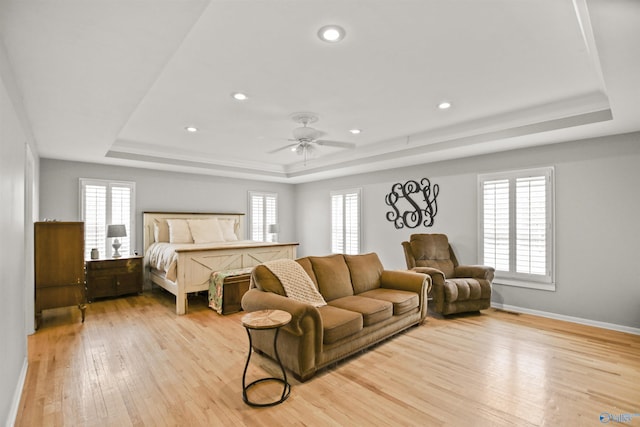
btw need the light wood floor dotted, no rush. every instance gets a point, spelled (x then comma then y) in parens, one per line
(134, 362)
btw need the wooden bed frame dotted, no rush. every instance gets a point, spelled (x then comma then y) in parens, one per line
(195, 266)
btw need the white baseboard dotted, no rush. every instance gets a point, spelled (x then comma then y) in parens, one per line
(588, 322)
(17, 394)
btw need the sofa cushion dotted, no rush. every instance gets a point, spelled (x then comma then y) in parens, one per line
(306, 264)
(296, 282)
(466, 289)
(266, 281)
(338, 323)
(365, 271)
(403, 301)
(372, 310)
(332, 274)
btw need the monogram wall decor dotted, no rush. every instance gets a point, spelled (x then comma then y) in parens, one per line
(412, 203)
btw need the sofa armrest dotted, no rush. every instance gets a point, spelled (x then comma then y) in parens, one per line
(406, 280)
(437, 286)
(305, 318)
(475, 271)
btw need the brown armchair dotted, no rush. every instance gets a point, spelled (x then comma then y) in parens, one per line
(455, 288)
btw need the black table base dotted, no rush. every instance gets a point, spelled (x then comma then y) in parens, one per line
(286, 387)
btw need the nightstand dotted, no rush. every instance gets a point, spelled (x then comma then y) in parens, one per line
(113, 277)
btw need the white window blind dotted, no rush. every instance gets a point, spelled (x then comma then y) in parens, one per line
(103, 203)
(263, 208)
(345, 221)
(516, 233)
(496, 224)
(95, 218)
(531, 225)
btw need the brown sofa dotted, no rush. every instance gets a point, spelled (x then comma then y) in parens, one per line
(455, 288)
(365, 304)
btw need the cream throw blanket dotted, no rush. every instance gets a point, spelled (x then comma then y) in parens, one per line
(296, 282)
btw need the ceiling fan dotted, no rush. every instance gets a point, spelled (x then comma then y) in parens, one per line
(307, 138)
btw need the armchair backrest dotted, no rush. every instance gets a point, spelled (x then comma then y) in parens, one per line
(430, 250)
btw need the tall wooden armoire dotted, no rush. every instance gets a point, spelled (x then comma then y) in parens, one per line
(59, 266)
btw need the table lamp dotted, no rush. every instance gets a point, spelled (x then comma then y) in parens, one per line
(273, 229)
(117, 230)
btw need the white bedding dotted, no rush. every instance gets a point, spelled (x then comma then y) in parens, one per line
(164, 256)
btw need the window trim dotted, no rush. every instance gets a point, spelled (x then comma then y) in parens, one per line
(265, 233)
(107, 251)
(512, 278)
(358, 192)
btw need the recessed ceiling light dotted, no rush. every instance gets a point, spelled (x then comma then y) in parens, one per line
(444, 105)
(355, 131)
(191, 129)
(239, 96)
(331, 33)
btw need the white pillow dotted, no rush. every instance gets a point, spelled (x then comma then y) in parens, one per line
(179, 231)
(205, 230)
(160, 231)
(228, 229)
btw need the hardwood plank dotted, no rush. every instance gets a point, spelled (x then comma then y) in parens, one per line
(135, 363)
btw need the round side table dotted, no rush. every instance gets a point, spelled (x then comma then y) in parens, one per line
(260, 320)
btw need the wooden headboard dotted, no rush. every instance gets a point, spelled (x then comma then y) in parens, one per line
(149, 218)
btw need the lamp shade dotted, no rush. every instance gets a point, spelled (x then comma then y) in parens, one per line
(273, 228)
(116, 230)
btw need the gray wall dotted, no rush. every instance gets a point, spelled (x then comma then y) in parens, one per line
(14, 247)
(158, 191)
(597, 228)
(596, 205)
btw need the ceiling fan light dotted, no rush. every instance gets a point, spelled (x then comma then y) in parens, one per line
(444, 105)
(331, 33)
(306, 133)
(239, 96)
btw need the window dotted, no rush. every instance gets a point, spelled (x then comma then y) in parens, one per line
(264, 212)
(345, 221)
(516, 230)
(102, 203)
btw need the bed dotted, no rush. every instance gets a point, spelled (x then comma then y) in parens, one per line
(182, 250)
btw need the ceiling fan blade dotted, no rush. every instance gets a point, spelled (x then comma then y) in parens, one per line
(286, 147)
(335, 143)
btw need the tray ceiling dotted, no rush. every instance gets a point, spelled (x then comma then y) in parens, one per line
(118, 82)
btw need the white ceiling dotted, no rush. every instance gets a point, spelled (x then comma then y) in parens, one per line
(117, 82)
